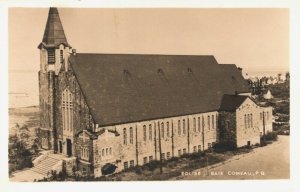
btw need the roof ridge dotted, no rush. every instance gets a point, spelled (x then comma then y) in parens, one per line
(144, 54)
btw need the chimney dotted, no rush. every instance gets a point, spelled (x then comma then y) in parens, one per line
(240, 69)
(74, 51)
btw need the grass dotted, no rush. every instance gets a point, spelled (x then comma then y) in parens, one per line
(172, 168)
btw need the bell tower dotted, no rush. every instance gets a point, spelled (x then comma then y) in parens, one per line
(54, 48)
(54, 53)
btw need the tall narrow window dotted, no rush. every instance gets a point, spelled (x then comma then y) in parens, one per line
(131, 135)
(144, 133)
(217, 121)
(63, 111)
(194, 124)
(245, 121)
(199, 124)
(61, 56)
(179, 128)
(84, 153)
(203, 124)
(67, 110)
(248, 123)
(183, 126)
(162, 130)
(251, 120)
(124, 136)
(208, 122)
(150, 132)
(51, 56)
(168, 130)
(213, 121)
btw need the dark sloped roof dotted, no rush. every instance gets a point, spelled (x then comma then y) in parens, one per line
(232, 102)
(54, 34)
(122, 88)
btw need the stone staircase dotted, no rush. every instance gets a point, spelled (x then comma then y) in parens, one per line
(47, 164)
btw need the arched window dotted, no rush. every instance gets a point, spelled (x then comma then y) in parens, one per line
(245, 121)
(251, 120)
(131, 135)
(150, 132)
(144, 133)
(199, 124)
(124, 136)
(162, 130)
(208, 122)
(183, 126)
(168, 129)
(194, 124)
(212, 121)
(67, 110)
(179, 128)
(203, 123)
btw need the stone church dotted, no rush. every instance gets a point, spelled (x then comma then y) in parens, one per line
(129, 109)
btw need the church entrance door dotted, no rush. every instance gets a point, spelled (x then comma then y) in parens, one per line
(69, 147)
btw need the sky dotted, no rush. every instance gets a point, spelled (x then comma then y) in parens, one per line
(255, 39)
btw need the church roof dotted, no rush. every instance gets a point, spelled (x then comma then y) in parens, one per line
(232, 102)
(123, 88)
(54, 34)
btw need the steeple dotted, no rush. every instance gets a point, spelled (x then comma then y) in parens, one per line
(54, 48)
(54, 34)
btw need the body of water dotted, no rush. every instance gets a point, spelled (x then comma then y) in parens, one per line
(23, 88)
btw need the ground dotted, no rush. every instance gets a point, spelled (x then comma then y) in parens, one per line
(269, 162)
(25, 175)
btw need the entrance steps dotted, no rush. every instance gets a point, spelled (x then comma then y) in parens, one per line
(48, 162)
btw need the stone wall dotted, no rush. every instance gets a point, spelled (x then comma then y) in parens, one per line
(46, 92)
(247, 132)
(227, 128)
(141, 149)
(81, 114)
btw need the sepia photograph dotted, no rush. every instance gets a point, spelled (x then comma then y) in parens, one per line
(148, 94)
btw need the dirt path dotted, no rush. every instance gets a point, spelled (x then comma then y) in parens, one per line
(270, 162)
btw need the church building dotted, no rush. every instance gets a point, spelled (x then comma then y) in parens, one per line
(130, 109)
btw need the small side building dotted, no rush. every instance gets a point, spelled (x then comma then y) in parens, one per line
(267, 94)
(239, 121)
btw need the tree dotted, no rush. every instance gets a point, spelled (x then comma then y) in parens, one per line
(279, 76)
(287, 76)
(19, 155)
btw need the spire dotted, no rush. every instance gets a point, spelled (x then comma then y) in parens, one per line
(54, 33)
